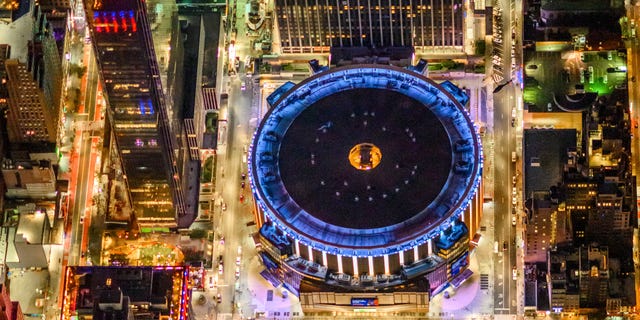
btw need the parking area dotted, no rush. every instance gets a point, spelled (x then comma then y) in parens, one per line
(550, 70)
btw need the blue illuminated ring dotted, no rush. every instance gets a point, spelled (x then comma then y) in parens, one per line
(454, 198)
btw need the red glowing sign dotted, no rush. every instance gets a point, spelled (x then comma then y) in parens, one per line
(114, 21)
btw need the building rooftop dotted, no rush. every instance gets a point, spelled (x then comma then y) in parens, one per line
(364, 158)
(415, 162)
(161, 288)
(19, 177)
(31, 227)
(543, 161)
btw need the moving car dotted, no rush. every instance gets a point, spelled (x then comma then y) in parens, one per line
(514, 273)
(513, 221)
(243, 86)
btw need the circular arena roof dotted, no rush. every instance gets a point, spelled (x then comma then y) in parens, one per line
(365, 160)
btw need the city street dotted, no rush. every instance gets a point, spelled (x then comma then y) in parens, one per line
(233, 185)
(231, 223)
(87, 147)
(83, 159)
(507, 126)
(633, 67)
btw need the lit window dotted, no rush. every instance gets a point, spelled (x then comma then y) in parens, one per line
(139, 142)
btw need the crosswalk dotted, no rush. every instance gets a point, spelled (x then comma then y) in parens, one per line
(497, 78)
(484, 281)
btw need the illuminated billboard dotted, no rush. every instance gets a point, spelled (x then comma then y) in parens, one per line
(364, 302)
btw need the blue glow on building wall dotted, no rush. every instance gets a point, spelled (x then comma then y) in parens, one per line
(297, 115)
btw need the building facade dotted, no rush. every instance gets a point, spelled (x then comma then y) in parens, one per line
(307, 26)
(50, 30)
(153, 162)
(29, 118)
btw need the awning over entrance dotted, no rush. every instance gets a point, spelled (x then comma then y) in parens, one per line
(461, 278)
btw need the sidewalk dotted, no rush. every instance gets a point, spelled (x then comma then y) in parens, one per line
(472, 299)
(255, 297)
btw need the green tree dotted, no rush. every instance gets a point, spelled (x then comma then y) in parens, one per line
(480, 47)
(207, 171)
(191, 255)
(76, 69)
(452, 65)
(449, 64)
(198, 234)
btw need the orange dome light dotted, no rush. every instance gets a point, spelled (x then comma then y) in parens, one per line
(365, 156)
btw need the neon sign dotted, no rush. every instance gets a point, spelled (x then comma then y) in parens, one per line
(115, 21)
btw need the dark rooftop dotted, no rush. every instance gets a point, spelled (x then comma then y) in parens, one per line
(543, 161)
(415, 163)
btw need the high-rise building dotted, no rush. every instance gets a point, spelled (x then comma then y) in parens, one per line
(29, 118)
(314, 26)
(45, 53)
(151, 157)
